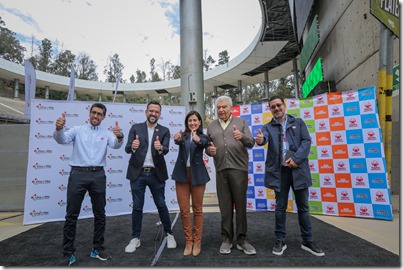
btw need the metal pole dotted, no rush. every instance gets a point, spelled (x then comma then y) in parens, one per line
(383, 36)
(388, 105)
(296, 78)
(191, 54)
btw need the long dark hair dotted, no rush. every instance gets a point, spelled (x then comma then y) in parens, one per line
(187, 130)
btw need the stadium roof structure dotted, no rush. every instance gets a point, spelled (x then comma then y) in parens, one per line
(273, 50)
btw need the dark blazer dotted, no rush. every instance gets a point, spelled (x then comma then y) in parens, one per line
(137, 158)
(198, 170)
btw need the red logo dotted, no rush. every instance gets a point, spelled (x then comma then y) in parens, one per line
(363, 209)
(329, 207)
(341, 164)
(379, 195)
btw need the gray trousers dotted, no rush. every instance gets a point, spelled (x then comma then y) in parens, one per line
(231, 191)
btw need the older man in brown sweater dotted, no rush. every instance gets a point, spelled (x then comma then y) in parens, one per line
(230, 137)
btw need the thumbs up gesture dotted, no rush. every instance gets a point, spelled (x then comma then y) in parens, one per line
(60, 122)
(117, 130)
(157, 144)
(195, 137)
(136, 143)
(237, 133)
(178, 135)
(212, 149)
(259, 138)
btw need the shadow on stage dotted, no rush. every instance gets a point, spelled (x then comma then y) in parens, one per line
(41, 246)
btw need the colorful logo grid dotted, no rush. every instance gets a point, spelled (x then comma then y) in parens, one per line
(347, 159)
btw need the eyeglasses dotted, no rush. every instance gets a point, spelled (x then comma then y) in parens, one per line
(278, 105)
(97, 113)
(153, 111)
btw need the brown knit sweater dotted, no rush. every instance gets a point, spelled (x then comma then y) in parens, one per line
(231, 154)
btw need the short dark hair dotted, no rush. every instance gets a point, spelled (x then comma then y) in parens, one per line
(154, 103)
(276, 97)
(99, 105)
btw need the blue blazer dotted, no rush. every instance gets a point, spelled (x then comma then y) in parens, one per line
(198, 170)
(137, 158)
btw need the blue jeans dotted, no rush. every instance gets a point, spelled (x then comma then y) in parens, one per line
(157, 189)
(301, 199)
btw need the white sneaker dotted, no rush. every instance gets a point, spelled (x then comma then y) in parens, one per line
(131, 247)
(171, 243)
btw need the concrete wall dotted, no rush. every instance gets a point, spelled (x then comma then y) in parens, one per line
(349, 48)
(13, 165)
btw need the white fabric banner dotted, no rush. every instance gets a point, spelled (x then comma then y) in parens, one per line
(30, 87)
(48, 169)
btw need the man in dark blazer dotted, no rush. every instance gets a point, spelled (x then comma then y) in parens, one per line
(148, 143)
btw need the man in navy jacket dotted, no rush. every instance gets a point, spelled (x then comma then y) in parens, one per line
(287, 166)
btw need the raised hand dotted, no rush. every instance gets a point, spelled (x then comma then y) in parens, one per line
(117, 130)
(212, 149)
(136, 143)
(60, 122)
(259, 138)
(157, 144)
(237, 134)
(195, 137)
(178, 135)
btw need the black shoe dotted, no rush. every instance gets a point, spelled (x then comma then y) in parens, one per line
(100, 253)
(279, 247)
(70, 258)
(312, 248)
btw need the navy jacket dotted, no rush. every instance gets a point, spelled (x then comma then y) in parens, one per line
(299, 141)
(198, 169)
(137, 158)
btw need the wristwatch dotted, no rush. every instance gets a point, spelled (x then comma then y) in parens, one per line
(120, 137)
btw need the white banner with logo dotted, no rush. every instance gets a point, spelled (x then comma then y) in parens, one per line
(48, 169)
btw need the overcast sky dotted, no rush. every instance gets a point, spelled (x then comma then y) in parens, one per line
(137, 30)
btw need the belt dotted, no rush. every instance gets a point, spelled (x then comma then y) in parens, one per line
(148, 169)
(87, 169)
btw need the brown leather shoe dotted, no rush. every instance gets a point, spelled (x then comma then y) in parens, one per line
(188, 249)
(196, 249)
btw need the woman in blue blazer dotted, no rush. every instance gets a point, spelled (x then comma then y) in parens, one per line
(190, 175)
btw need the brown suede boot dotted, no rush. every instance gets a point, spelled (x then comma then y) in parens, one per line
(196, 249)
(188, 249)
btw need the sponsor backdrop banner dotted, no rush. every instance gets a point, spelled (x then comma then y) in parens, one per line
(347, 158)
(48, 169)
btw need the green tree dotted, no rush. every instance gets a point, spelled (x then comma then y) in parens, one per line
(253, 93)
(44, 58)
(284, 87)
(62, 64)
(113, 69)
(141, 76)
(208, 61)
(154, 75)
(86, 68)
(223, 58)
(10, 47)
(175, 72)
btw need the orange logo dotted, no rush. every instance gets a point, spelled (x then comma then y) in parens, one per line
(337, 123)
(340, 151)
(325, 166)
(346, 209)
(343, 180)
(323, 138)
(320, 112)
(328, 195)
